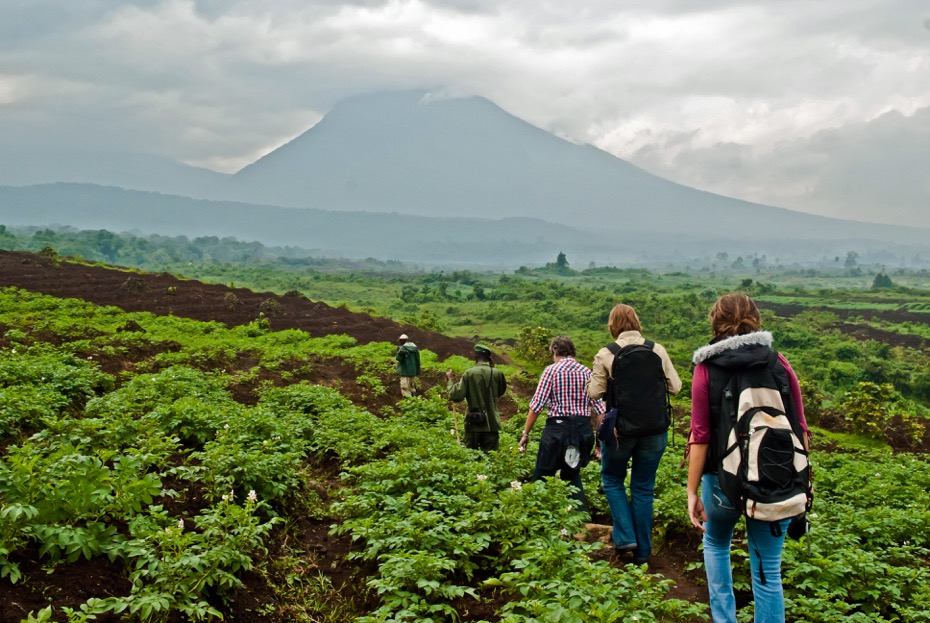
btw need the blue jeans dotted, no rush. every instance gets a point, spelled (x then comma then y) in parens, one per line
(632, 516)
(764, 557)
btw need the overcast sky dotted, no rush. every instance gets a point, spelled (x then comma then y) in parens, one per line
(820, 106)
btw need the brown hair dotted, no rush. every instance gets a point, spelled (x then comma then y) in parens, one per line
(734, 314)
(562, 346)
(623, 318)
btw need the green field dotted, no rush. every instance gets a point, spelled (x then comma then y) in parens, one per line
(127, 451)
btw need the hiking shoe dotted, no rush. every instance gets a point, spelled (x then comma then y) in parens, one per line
(623, 552)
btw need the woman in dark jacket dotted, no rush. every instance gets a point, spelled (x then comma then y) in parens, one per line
(738, 343)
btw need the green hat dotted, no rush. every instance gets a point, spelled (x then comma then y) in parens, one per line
(481, 348)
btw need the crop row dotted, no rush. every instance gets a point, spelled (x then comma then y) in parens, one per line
(159, 470)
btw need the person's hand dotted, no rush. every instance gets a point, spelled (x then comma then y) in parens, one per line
(696, 511)
(449, 374)
(597, 451)
(524, 440)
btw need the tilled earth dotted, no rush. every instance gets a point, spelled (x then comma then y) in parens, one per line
(161, 293)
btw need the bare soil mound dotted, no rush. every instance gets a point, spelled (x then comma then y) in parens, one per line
(161, 293)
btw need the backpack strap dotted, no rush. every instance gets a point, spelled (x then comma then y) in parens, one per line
(615, 348)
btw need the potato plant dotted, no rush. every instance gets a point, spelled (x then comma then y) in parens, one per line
(158, 469)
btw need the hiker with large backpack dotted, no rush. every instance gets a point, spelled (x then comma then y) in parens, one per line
(635, 376)
(748, 453)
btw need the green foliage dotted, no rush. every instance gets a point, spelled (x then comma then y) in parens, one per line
(175, 568)
(90, 461)
(533, 345)
(812, 398)
(870, 520)
(39, 384)
(869, 408)
(882, 280)
(555, 581)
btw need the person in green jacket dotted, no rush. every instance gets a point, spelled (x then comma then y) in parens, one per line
(480, 387)
(408, 366)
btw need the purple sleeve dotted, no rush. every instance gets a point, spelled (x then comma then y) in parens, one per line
(700, 406)
(795, 387)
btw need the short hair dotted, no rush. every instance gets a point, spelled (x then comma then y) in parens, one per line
(623, 318)
(562, 346)
(734, 314)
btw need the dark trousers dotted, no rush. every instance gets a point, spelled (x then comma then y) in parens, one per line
(558, 435)
(485, 441)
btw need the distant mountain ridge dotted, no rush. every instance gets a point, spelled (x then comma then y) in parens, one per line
(409, 154)
(489, 242)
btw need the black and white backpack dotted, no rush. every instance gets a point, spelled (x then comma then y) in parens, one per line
(759, 451)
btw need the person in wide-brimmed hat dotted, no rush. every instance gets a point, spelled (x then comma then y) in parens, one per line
(480, 388)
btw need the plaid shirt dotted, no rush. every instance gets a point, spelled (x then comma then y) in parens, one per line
(561, 390)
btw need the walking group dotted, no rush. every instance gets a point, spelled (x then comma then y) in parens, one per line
(747, 447)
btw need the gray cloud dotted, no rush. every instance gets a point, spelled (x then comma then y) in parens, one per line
(785, 103)
(869, 171)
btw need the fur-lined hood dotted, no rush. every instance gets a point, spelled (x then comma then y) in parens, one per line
(757, 338)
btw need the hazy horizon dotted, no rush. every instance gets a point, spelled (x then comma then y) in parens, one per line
(814, 107)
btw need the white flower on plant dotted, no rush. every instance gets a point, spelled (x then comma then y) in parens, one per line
(516, 485)
(451, 431)
(813, 515)
(168, 530)
(253, 497)
(564, 532)
(226, 426)
(569, 508)
(180, 524)
(482, 477)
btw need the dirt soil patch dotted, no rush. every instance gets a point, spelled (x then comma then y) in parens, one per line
(863, 332)
(161, 293)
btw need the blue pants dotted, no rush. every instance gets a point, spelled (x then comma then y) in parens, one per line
(764, 556)
(632, 516)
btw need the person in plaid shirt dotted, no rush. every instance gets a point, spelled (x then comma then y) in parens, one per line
(568, 438)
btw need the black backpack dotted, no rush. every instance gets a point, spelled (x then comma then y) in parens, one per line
(759, 444)
(638, 390)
